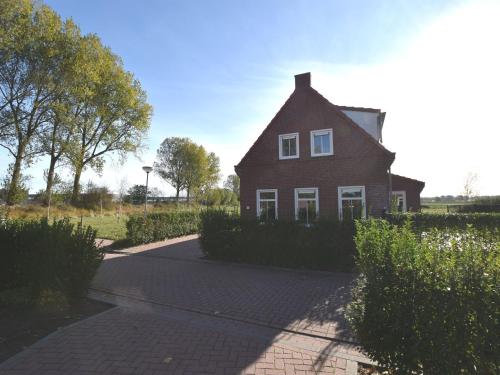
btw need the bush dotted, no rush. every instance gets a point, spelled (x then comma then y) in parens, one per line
(41, 257)
(160, 226)
(478, 207)
(220, 197)
(428, 303)
(95, 198)
(423, 222)
(327, 245)
(481, 204)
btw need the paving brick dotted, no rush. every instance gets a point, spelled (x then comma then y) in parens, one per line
(144, 337)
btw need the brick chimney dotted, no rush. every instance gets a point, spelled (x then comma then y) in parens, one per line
(302, 81)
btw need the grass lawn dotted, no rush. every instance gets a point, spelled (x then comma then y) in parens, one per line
(108, 227)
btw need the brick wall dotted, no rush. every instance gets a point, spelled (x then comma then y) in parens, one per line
(413, 189)
(357, 159)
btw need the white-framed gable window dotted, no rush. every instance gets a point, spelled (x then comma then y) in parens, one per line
(267, 204)
(306, 204)
(352, 203)
(289, 146)
(322, 142)
(398, 201)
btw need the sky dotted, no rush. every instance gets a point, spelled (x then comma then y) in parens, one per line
(218, 71)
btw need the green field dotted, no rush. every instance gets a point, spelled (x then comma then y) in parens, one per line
(440, 208)
(109, 227)
(434, 208)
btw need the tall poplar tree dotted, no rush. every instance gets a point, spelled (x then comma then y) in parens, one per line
(30, 59)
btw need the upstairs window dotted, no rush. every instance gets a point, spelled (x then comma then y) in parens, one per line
(267, 204)
(289, 146)
(352, 204)
(322, 142)
(306, 205)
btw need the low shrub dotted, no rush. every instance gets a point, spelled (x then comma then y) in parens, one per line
(39, 256)
(425, 221)
(326, 245)
(478, 207)
(428, 303)
(160, 226)
(482, 204)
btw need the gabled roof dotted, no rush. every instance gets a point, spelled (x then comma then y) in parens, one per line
(338, 110)
(265, 129)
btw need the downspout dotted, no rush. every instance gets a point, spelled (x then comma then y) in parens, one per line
(390, 190)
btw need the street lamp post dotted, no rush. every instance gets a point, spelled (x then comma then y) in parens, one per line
(146, 169)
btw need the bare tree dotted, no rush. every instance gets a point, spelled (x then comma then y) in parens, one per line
(470, 189)
(122, 193)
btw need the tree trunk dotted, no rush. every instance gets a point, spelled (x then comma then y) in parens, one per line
(16, 175)
(50, 179)
(177, 194)
(187, 198)
(76, 185)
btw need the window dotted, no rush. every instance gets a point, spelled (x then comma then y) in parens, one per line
(306, 204)
(352, 203)
(398, 203)
(322, 142)
(289, 146)
(267, 204)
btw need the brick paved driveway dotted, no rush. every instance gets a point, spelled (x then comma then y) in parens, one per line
(309, 302)
(172, 317)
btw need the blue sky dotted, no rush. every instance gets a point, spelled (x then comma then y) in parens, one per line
(218, 71)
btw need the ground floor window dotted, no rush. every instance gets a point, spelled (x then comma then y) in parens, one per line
(306, 204)
(398, 203)
(267, 204)
(352, 204)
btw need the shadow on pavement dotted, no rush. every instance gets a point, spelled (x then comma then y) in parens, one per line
(172, 275)
(180, 314)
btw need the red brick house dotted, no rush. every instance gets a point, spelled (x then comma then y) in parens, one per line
(316, 158)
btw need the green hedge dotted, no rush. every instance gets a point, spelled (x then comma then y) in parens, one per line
(428, 303)
(423, 222)
(38, 257)
(327, 245)
(160, 226)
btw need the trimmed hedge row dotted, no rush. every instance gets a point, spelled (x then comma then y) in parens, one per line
(160, 226)
(428, 303)
(328, 245)
(41, 257)
(423, 222)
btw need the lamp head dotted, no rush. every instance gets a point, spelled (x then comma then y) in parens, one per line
(147, 169)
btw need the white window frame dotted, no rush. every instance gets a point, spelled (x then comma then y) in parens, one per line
(342, 189)
(322, 132)
(280, 145)
(403, 194)
(275, 191)
(305, 190)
